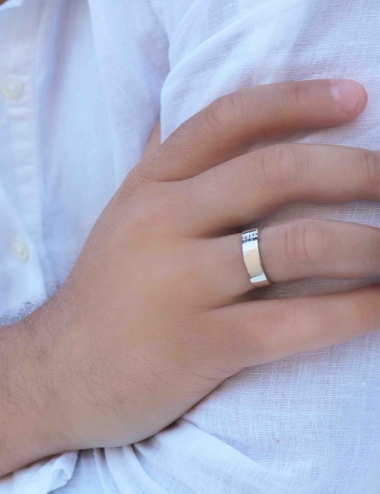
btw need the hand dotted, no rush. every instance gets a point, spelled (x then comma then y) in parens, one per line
(154, 315)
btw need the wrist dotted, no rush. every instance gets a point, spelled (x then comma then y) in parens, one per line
(30, 410)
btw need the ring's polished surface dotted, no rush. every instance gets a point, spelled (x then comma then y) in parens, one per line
(252, 259)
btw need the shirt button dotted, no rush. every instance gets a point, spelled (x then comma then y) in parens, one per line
(20, 250)
(12, 89)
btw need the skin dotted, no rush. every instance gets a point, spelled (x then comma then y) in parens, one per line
(157, 311)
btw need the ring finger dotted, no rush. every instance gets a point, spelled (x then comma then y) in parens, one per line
(296, 250)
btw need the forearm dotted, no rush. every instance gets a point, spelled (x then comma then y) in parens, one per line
(27, 430)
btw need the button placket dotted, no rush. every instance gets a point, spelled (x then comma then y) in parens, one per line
(17, 100)
(20, 250)
(12, 89)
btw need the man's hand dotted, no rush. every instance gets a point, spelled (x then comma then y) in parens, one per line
(155, 314)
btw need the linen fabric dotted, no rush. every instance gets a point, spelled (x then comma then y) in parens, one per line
(82, 83)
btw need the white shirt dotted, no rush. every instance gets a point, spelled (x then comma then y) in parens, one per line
(82, 83)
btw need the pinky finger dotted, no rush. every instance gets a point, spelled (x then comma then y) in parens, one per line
(264, 331)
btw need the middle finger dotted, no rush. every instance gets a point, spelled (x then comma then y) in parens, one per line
(253, 186)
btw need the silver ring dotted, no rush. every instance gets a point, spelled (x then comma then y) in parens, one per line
(252, 259)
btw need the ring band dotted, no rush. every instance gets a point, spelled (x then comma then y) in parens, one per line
(252, 259)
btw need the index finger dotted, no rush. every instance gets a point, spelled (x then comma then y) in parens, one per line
(251, 115)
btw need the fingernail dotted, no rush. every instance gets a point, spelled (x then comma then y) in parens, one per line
(346, 94)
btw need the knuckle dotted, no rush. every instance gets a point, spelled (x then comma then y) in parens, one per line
(237, 103)
(367, 308)
(138, 227)
(307, 243)
(134, 181)
(151, 213)
(286, 318)
(215, 115)
(300, 96)
(281, 166)
(369, 170)
(297, 97)
(148, 171)
(282, 321)
(219, 114)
